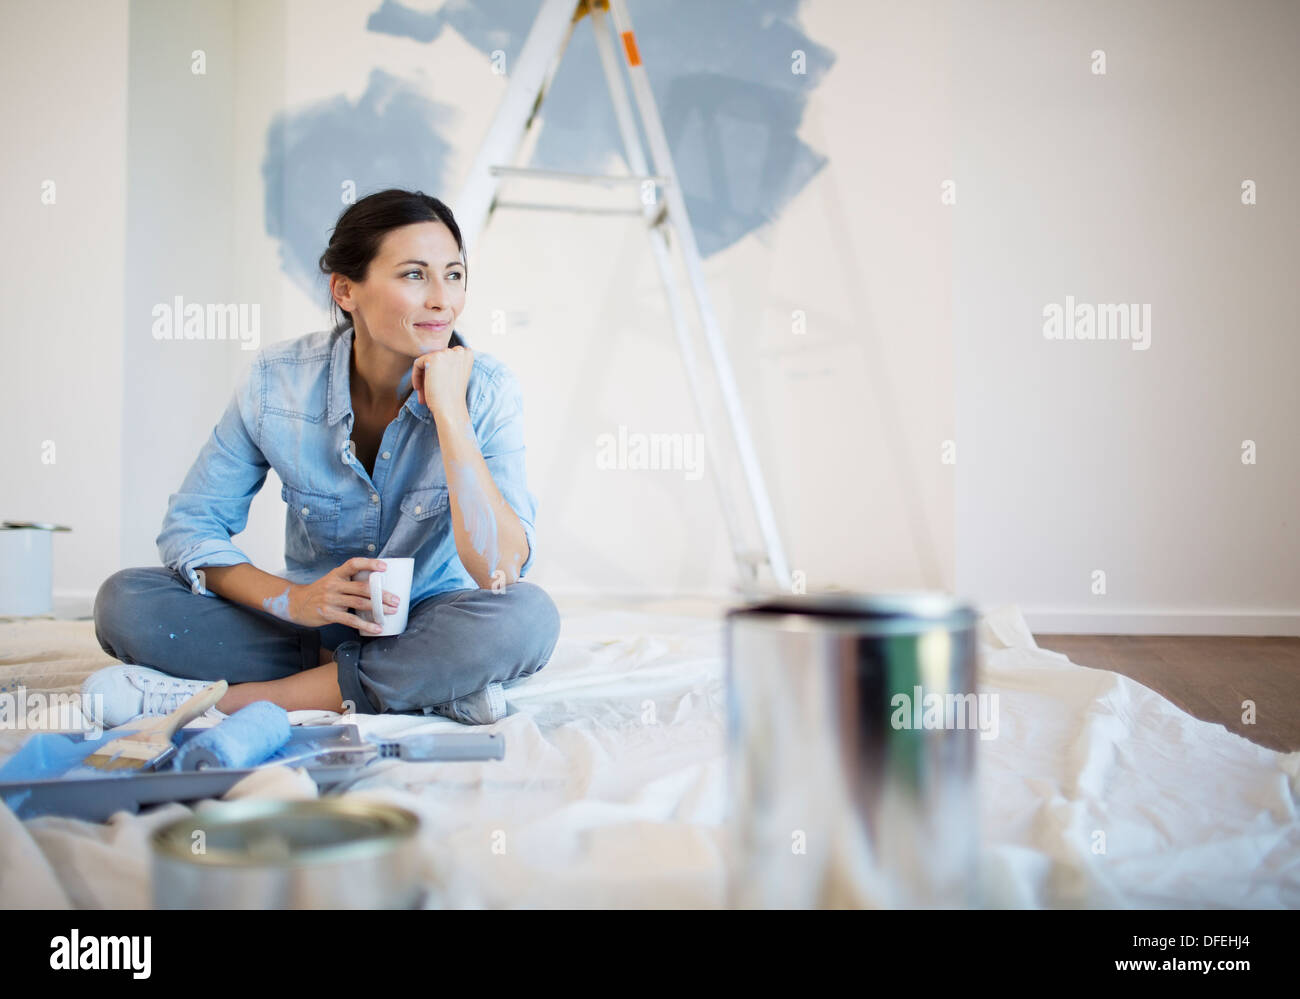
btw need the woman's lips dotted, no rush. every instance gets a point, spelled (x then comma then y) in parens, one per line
(434, 326)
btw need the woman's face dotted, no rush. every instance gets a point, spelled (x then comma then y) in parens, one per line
(413, 292)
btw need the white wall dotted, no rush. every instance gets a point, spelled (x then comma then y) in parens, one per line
(1078, 456)
(63, 83)
(924, 320)
(180, 241)
(200, 142)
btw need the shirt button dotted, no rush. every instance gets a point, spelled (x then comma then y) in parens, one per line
(418, 509)
(385, 454)
(305, 511)
(374, 497)
(370, 548)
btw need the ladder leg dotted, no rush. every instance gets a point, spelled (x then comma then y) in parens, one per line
(540, 55)
(659, 150)
(659, 245)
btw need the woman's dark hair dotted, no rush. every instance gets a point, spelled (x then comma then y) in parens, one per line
(361, 228)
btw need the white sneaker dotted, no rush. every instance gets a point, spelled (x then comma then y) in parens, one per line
(483, 707)
(131, 691)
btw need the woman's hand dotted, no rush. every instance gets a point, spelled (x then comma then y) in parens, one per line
(441, 378)
(327, 601)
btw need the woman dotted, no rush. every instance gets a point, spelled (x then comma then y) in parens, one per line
(392, 438)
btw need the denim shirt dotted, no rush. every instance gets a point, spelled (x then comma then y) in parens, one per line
(293, 412)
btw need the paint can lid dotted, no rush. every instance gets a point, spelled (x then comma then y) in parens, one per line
(885, 613)
(282, 834)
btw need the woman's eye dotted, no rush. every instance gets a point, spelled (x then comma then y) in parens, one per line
(456, 274)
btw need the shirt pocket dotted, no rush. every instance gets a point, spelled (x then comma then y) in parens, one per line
(421, 504)
(312, 526)
(423, 526)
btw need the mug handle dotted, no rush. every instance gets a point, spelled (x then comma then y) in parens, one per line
(377, 597)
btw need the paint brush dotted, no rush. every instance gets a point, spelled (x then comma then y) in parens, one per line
(151, 746)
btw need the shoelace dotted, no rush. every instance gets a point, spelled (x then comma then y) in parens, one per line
(163, 697)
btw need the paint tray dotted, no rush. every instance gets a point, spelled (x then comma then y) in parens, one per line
(57, 783)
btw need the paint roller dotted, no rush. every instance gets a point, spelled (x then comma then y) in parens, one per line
(245, 739)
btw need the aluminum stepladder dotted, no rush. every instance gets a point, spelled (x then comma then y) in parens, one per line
(509, 133)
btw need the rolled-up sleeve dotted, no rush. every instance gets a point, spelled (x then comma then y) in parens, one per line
(212, 504)
(500, 431)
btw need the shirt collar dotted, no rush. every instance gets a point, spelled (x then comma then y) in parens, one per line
(340, 391)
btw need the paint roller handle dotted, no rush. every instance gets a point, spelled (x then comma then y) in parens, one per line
(429, 747)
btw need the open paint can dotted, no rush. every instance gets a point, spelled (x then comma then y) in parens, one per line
(327, 853)
(27, 568)
(852, 733)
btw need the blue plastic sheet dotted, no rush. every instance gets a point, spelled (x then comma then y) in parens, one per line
(47, 755)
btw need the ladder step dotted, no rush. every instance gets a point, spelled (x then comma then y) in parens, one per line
(577, 209)
(602, 179)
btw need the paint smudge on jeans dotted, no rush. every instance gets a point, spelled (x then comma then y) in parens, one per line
(480, 520)
(279, 606)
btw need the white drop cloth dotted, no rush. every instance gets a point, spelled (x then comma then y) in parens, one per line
(612, 790)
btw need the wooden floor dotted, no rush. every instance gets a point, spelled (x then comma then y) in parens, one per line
(1208, 677)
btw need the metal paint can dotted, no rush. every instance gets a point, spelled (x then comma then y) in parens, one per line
(852, 734)
(326, 853)
(27, 568)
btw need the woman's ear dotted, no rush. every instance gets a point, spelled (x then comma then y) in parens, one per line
(341, 291)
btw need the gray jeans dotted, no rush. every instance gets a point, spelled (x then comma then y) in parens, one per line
(455, 643)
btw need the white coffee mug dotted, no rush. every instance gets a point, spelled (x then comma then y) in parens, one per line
(395, 579)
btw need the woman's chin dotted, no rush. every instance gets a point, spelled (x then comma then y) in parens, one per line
(427, 342)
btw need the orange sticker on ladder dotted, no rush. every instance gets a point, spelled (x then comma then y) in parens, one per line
(629, 45)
